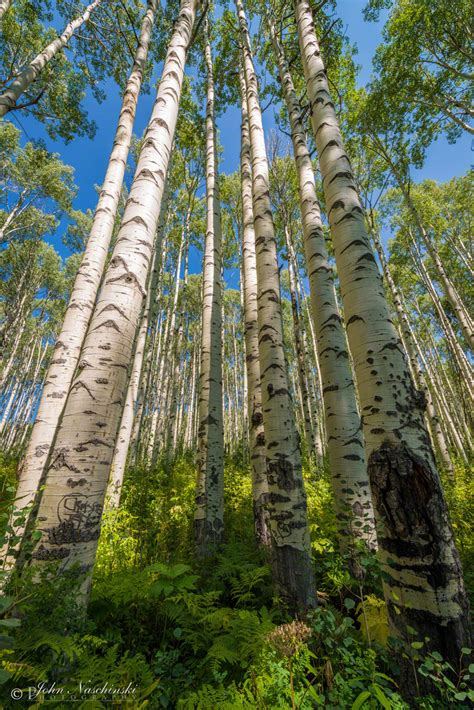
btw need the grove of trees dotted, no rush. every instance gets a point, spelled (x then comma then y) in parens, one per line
(236, 408)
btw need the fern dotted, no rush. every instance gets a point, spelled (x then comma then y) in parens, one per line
(220, 698)
(245, 586)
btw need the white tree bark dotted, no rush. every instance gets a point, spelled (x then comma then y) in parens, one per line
(414, 533)
(418, 375)
(4, 6)
(117, 469)
(209, 512)
(343, 424)
(70, 511)
(252, 360)
(71, 337)
(9, 98)
(291, 550)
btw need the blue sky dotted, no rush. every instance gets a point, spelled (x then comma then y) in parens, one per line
(89, 157)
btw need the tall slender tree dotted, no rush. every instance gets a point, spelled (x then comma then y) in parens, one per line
(252, 359)
(209, 515)
(9, 98)
(70, 509)
(415, 534)
(84, 293)
(291, 551)
(343, 423)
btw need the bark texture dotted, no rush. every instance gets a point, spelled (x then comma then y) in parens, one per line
(209, 512)
(119, 461)
(424, 586)
(291, 549)
(71, 507)
(252, 360)
(417, 372)
(343, 423)
(30, 73)
(4, 5)
(84, 293)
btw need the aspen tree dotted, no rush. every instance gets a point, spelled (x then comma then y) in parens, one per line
(252, 360)
(460, 358)
(343, 424)
(410, 347)
(70, 510)
(287, 509)
(423, 585)
(209, 514)
(453, 297)
(4, 6)
(9, 98)
(117, 469)
(81, 304)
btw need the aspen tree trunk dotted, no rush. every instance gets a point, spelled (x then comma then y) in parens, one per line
(15, 212)
(119, 460)
(451, 293)
(314, 388)
(69, 342)
(343, 424)
(189, 436)
(30, 73)
(307, 424)
(443, 386)
(177, 375)
(250, 310)
(424, 587)
(153, 341)
(209, 513)
(11, 359)
(164, 368)
(440, 387)
(4, 6)
(318, 385)
(462, 253)
(460, 358)
(70, 510)
(418, 375)
(14, 318)
(437, 395)
(310, 358)
(245, 392)
(291, 548)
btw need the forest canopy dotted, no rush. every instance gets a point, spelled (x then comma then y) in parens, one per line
(237, 338)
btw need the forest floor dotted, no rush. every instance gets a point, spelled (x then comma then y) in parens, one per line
(164, 630)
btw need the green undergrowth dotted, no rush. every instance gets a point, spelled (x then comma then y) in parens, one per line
(185, 634)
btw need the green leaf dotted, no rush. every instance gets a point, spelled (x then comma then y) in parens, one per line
(417, 645)
(471, 668)
(466, 651)
(349, 603)
(4, 676)
(312, 692)
(10, 623)
(5, 602)
(460, 696)
(360, 700)
(381, 697)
